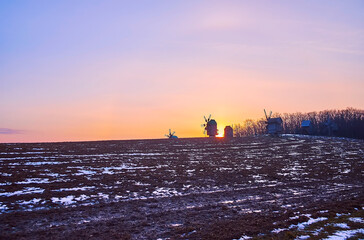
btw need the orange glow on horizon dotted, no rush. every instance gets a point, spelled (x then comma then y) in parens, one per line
(220, 132)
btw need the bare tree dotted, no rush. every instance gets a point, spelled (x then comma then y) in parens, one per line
(343, 123)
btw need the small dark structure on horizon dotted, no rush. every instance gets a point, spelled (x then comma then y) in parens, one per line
(210, 126)
(171, 135)
(330, 128)
(274, 125)
(228, 132)
(306, 127)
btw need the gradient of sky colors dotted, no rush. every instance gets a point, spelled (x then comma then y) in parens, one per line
(93, 70)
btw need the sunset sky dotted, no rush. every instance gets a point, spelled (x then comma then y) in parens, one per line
(97, 70)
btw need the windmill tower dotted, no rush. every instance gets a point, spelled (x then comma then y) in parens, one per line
(210, 126)
(228, 132)
(274, 125)
(171, 135)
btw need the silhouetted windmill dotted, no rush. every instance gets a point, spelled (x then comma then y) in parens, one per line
(274, 125)
(171, 135)
(210, 126)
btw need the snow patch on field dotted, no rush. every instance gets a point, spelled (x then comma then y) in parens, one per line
(28, 190)
(75, 189)
(43, 163)
(164, 191)
(244, 238)
(107, 171)
(56, 175)
(303, 237)
(341, 225)
(83, 197)
(84, 172)
(5, 174)
(34, 180)
(3, 207)
(341, 235)
(103, 195)
(141, 184)
(64, 200)
(31, 202)
(309, 222)
(356, 219)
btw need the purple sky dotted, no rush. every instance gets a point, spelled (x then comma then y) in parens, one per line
(88, 70)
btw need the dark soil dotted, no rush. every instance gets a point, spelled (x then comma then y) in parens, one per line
(175, 189)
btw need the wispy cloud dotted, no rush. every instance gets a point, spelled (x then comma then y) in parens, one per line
(10, 131)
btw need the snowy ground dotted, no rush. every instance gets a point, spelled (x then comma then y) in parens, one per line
(323, 226)
(248, 176)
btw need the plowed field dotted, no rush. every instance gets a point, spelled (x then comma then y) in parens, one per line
(177, 188)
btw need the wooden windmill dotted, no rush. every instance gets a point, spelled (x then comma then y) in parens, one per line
(210, 126)
(274, 125)
(171, 135)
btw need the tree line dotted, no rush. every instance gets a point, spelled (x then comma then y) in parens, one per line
(340, 123)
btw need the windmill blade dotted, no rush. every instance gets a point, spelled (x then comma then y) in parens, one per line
(169, 131)
(265, 113)
(209, 117)
(202, 125)
(173, 133)
(270, 114)
(166, 135)
(205, 118)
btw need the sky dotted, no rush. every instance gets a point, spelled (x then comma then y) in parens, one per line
(99, 70)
